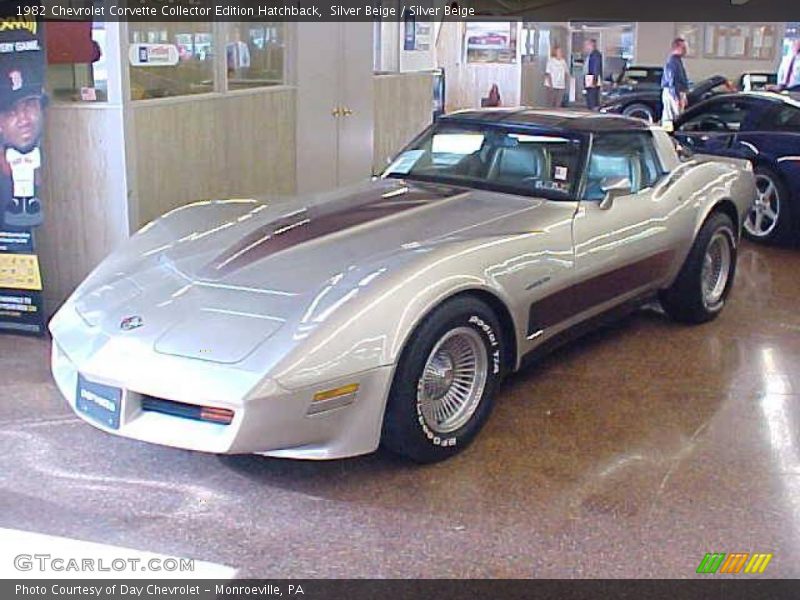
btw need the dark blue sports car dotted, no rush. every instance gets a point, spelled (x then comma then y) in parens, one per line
(763, 127)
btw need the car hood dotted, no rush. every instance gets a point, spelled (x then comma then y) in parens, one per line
(705, 86)
(214, 281)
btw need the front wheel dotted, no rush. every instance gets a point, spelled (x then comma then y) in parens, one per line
(770, 218)
(640, 111)
(704, 282)
(443, 387)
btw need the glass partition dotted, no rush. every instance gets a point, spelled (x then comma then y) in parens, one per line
(170, 59)
(254, 54)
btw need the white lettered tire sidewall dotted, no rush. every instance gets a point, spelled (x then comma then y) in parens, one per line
(405, 430)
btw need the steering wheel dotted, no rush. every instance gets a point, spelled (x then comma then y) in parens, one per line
(716, 124)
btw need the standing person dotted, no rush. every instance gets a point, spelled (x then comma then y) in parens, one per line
(789, 71)
(556, 75)
(593, 74)
(674, 85)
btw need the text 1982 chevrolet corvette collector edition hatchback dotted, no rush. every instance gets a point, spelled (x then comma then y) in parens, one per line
(388, 312)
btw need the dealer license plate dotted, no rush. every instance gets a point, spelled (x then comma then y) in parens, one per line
(100, 402)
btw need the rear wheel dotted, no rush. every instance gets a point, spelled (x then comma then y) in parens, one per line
(770, 218)
(704, 282)
(444, 383)
(639, 111)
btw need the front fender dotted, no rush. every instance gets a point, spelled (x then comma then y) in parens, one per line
(372, 323)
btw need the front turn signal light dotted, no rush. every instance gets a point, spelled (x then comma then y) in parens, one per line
(344, 390)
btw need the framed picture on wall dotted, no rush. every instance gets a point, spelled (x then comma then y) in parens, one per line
(740, 41)
(763, 42)
(726, 41)
(491, 42)
(693, 34)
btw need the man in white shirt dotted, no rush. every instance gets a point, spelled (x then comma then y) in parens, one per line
(555, 78)
(789, 71)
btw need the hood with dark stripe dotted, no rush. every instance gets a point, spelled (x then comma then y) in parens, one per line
(364, 208)
(251, 267)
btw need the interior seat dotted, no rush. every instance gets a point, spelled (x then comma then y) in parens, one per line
(512, 165)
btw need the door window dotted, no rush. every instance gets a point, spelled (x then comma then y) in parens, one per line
(721, 117)
(787, 119)
(621, 159)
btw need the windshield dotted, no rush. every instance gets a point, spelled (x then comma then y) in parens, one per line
(636, 75)
(490, 157)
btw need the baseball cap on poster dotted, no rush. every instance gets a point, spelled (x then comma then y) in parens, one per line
(21, 76)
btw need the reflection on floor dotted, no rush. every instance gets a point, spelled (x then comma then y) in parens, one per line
(632, 453)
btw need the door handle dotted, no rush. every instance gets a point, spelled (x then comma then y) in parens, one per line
(336, 112)
(347, 112)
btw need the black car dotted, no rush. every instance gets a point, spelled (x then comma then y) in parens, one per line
(646, 104)
(636, 78)
(756, 82)
(763, 127)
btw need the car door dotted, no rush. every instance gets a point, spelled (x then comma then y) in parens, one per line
(714, 126)
(772, 133)
(624, 245)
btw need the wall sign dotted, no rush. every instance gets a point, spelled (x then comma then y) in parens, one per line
(153, 55)
(22, 67)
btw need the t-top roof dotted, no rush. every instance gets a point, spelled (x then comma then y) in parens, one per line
(570, 120)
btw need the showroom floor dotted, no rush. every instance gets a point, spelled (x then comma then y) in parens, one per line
(630, 453)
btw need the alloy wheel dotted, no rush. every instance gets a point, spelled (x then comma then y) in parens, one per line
(716, 268)
(763, 217)
(453, 380)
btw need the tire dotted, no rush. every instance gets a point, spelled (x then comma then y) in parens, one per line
(418, 423)
(770, 220)
(640, 111)
(690, 299)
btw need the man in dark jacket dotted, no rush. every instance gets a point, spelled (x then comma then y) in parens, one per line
(593, 74)
(674, 85)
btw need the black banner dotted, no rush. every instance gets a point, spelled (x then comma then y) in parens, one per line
(400, 10)
(349, 589)
(22, 72)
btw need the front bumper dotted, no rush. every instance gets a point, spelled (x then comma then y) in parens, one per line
(273, 421)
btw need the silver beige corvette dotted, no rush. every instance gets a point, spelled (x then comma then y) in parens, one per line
(388, 312)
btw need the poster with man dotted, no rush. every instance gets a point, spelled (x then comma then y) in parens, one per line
(22, 71)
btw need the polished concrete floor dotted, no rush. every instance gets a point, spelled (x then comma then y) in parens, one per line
(630, 453)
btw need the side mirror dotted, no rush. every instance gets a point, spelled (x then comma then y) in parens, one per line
(613, 188)
(683, 147)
